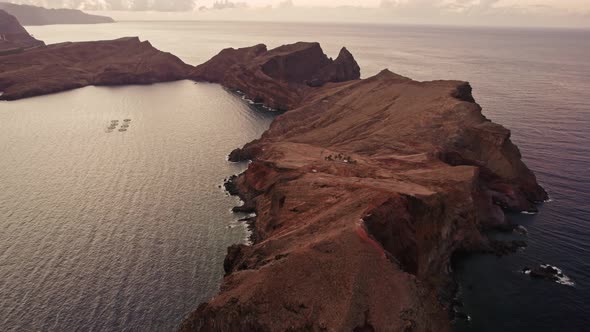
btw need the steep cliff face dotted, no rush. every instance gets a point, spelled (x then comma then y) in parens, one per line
(214, 70)
(281, 77)
(13, 36)
(363, 192)
(33, 15)
(67, 66)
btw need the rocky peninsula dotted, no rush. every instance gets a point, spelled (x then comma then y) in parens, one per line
(363, 192)
(66, 66)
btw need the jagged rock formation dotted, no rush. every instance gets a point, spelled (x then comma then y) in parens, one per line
(281, 77)
(33, 15)
(13, 37)
(363, 191)
(67, 66)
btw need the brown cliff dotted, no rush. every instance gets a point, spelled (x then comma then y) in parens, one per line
(13, 36)
(67, 66)
(363, 192)
(281, 77)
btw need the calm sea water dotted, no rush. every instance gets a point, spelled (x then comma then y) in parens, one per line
(106, 231)
(112, 231)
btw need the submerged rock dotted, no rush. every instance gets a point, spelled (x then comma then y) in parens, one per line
(502, 248)
(548, 272)
(545, 272)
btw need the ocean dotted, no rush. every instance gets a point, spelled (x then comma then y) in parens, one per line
(126, 230)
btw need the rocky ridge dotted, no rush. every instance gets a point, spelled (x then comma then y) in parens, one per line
(278, 78)
(363, 192)
(65, 66)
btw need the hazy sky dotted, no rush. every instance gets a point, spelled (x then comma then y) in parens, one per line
(459, 12)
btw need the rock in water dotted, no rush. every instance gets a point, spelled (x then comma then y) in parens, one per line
(544, 272)
(67, 66)
(363, 244)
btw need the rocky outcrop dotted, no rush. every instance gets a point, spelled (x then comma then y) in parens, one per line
(548, 272)
(13, 37)
(33, 15)
(279, 78)
(363, 192)
(67, 66)
(544, 272)
(214, 70)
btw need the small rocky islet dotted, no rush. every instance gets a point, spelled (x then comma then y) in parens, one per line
(548, 272)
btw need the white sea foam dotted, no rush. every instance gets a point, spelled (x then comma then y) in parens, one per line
(521, 230)
(561, 277)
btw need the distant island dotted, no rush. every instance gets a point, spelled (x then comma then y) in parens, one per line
(33, 15)
(359, 195)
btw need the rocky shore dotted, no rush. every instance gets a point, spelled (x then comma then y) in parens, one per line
(364, 190)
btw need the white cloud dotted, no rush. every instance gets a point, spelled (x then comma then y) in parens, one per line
(139, 5)
(463, 12)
